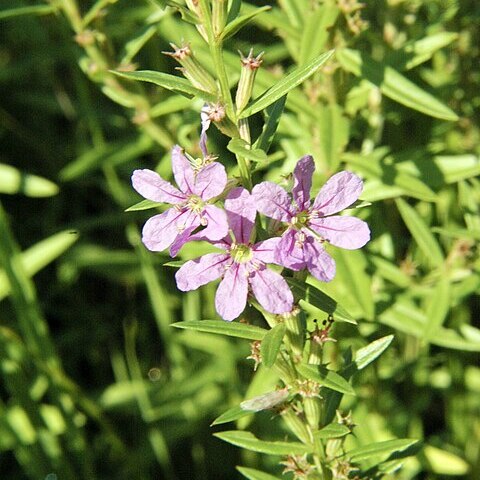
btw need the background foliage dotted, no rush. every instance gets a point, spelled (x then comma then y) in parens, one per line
(94, 381)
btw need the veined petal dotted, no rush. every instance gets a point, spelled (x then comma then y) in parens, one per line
(200, 271)
(182, 170)
(271, 291)
(320, 264)
(303, 181)
(265, 251)
(241, 213)
(210, 181)
(217, 224)
(231, 296)
(288, 253)
(184, 237)
(152, 186)
(344, 232)
(338, 193)
(273, 201)
(160, 231)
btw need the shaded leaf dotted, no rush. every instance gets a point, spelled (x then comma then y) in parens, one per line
(326, 378)
(271, 343)
(332, 430)
(239, 330)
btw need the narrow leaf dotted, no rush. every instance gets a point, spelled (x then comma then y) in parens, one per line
(253, 474)
(332, 430)
(272, 119)
(14, 181)
(438, 305)
(326, 378)
(248, 441)
(231, 415)
(287, 83)
(372, 351)
(271, 343)
(143, 205)
(30, 10)
(233, 27)
(384, 449)
(393, 84)
(240, 147)
(311, 295)
(421, 233)
(170, 82)
(239, 330)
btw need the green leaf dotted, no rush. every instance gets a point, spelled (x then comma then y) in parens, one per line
(248, 441)
(283, 86)
(39, 256)
(170, 82)
(352, 266)
(438, 305)
(372, 351)
(443, 462)
(231, 415)
(271, 343)
(30, 10)
(393, 84)
(272, 118)
(253, 474)
(133, 46)
(239, 330)
(332, 430)
(143, 205)
(333, 133)
(327, 378)
(311, 295)
(14, 181)
(384, 449)
(421, 233)
(240, 147)
(233, 27)
(316, 31)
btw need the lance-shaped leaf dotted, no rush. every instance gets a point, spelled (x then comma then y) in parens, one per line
(240, 147)
(170, 82)
(332, 430)
(231, 415)
(272, 119)
(326, 378)
(14, 181)
(239, 330)
(248, 441)
(253, 474)
(287, 83)
(271, 343)
(372, 351)
(233, 27)
(393, 84)
(143, 205)
(383, 449)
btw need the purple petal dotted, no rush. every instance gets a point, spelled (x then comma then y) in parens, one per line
(205, 125)
(303, 181)
(320, 264)
(271, 291)
(182, 170)
(210, 181)
(273, 201)
(344, 232)
(200, 271)
(217, 226)
(241, 213)
(182, 239)
(231, 296)
(265, 251)
(338, 193)
(152, 186)
(160, 231)
(288, 253)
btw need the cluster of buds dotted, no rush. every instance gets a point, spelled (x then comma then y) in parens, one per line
(298, 465)
(255, 354)
(351, 10)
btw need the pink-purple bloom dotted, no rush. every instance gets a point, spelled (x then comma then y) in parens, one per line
(311, 225)
(242, 267)
(190, 203)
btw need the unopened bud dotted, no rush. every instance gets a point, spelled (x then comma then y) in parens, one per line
(296, 424)
(250, 65)
(295, 330)
(216, 113)
(192, 69)
(313, 411)
(219, 15)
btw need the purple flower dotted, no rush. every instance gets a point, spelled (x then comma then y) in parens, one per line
(311, 225)
(174, 227)
(241, 267)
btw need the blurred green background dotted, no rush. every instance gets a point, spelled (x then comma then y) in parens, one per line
(94, 383)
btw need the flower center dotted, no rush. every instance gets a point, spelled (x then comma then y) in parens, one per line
(241, 253)
(300, 220)
(195, 204)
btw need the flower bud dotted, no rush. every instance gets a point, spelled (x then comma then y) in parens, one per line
(295, 330)
(219, 15)
(192, 69)
(216, 113)
(250, 65)
(296, 424)
(313, 411)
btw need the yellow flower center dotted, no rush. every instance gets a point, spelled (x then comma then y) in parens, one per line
(300, 220)
(241, 253)
(195, 204)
